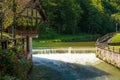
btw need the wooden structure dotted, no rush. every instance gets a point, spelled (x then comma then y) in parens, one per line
(27, 21)
(1, 17)
(25, 24)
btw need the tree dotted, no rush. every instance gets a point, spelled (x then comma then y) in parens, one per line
(63, 15)
(116, 20)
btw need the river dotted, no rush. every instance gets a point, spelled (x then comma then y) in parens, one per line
(80, 65)
(70, 66)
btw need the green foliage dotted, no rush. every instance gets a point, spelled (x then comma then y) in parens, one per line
(115, 38)
(82, 16)
(6, 60)
(21, 68)
(116, 17)
(14, 65)
(79, 38)
(63, 15)
(4, 35)
(46, 32)
(69, 38)
(7, 77)
(72, 16)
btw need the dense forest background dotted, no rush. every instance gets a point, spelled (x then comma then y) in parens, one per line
(72, 17)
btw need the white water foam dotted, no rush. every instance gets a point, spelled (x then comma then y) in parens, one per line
(69, 58)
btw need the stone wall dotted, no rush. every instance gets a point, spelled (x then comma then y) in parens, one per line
(109, 56)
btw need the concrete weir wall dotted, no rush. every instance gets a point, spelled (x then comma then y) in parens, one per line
(109, 56)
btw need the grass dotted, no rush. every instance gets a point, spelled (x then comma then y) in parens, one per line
(81, 40)
(115, 38)
(69, 38)
(115, 48)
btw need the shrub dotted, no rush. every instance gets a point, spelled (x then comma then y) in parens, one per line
(13, 62)
(7, 77)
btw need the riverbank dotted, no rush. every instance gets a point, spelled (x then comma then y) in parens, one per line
(82, 37)
(80, 40)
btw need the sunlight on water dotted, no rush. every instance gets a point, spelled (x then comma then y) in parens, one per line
(69, 58)
(74, 67)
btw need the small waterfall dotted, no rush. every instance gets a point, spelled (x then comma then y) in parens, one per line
(72, 66)
(62, 50)
(70, 50)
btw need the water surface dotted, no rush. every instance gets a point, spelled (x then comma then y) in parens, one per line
(70, 66)
(38, 44)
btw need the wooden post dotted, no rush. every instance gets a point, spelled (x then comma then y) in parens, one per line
(15, 42)
(14, 18)
(32, 13)
(30, 44)
(2, 17)
(27, 15)
(4, 44)
(23, 43)
(36, 18)
(27, 44)
(1, 26)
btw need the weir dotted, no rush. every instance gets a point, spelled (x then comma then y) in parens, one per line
(63, 50)
(71, 64)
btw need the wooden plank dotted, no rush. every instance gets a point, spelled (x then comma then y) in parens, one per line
(29, 17)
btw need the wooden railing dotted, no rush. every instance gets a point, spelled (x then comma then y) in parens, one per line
(25, 32)
(30, 32)
(103, 41)
(105, 36)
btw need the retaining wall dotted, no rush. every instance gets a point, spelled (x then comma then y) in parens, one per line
(109, 56)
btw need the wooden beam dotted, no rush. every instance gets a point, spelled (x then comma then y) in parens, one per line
(32, 12)
(27, 44)
(36, 18)
(29, 17)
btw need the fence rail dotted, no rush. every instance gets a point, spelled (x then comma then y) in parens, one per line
(103, 37)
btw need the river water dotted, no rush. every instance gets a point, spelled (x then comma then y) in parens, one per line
(69, 66)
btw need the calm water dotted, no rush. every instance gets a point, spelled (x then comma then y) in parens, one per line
(69, 66)
(62, 44)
